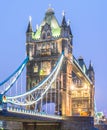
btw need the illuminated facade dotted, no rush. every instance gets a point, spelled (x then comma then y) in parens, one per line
(76, 82)
(82, 89)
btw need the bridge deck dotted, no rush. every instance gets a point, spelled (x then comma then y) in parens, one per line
(28, 117)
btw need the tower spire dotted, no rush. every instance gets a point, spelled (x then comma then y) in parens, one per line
(91, 72)
(69, 28)
(64, 23)
(91, 66)
(29, 28)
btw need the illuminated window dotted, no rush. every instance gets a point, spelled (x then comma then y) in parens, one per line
(48, 46)
(45, 68)
(35, 69)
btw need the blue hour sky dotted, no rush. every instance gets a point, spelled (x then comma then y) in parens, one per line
(89, 27)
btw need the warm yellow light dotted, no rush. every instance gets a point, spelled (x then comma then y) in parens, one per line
(72, 87)
(79, 109)
(79, 74)
(4, 99)
(85, 86)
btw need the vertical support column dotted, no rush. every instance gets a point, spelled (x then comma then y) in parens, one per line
(63, 101)
(66, 90)
(92, 91)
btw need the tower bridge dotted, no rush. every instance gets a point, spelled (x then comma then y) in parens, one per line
(57, 84)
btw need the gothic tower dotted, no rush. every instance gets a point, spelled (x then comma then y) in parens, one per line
(43, 47)
(75, 82)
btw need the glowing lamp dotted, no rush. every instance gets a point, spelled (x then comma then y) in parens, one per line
(79, 110)
(4, 99)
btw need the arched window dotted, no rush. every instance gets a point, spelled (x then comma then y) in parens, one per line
(44, 35)
(48, 34)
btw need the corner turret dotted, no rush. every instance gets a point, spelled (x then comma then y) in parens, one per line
(82, 64)
(29, 28)
(69, 28)
(70, 32)
(29, 46)
(64, 23)
(91, 73)
(29, 31)
(65, 28)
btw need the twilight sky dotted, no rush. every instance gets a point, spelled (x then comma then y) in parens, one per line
(89, 27)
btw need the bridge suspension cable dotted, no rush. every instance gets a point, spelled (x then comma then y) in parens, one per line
(9, 82)
(37, 92)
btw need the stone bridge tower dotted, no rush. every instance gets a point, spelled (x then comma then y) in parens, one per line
(43, 47)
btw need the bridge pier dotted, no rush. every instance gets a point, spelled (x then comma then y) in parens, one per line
(78, 123)
(29, 126)
(41, 126)
(69, 123)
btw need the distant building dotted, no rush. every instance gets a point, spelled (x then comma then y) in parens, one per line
(101, 126)
(102, 121)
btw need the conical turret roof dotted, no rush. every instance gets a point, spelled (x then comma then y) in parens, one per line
(91, 67)
(29, 28)
(64, 23)
(51, 20)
